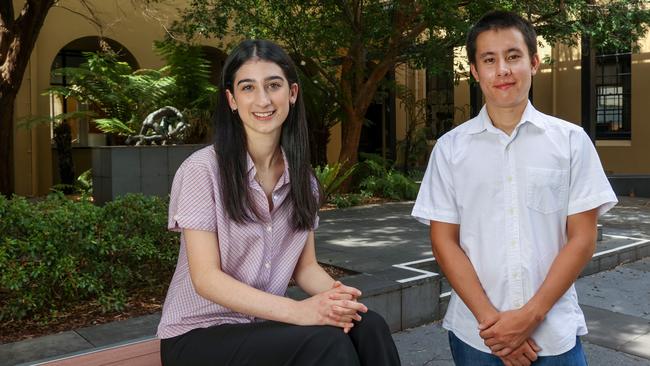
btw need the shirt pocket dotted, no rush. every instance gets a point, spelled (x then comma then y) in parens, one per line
(546, 189)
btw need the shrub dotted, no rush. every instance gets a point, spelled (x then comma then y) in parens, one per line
(58, 252)
(331, 177)
(381, 180)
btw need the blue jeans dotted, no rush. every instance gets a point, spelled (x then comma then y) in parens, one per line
(466, 355)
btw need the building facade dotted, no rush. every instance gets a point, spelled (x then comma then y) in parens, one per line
(623, 89)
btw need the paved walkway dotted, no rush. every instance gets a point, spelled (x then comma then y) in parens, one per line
(391, 252)
(617, 307)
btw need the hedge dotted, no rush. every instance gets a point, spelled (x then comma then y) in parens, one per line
(58, 252)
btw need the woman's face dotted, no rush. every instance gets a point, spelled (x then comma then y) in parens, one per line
(261, 96)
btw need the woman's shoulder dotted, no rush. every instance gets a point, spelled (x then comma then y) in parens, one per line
(203, 158)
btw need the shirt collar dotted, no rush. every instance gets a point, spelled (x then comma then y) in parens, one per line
(482, 122)
(250, 169)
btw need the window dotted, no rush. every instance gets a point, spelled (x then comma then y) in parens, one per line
(613, 84)
(440, 104)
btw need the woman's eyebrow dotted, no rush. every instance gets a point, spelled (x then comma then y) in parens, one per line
(245, 81)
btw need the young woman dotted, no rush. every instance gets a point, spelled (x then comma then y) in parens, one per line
(246, 208)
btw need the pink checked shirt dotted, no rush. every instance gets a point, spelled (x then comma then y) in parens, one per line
(262, 254)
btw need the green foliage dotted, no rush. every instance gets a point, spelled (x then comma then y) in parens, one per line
(82, 185)
(331, 177)
(348, 199)
(58, 252)
(381, 180)
(123, 97)
(352, 45)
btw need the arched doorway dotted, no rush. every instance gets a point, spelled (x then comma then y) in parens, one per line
(216, 57)
(83, 132)
(79, 133)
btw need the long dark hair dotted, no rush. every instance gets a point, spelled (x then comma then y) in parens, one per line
(230, 142)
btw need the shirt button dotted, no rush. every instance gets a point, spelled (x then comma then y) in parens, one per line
(517, 303)
(269, 228)
(513, 243)
(511, 211)
(267, 265)
(509, 179)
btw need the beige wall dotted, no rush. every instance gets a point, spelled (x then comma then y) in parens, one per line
(124, 24)
(556, 88)
(557, 91)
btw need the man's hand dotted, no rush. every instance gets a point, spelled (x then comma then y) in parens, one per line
(506, 331)
(524, 355)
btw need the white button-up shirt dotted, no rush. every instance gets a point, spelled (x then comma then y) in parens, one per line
(511, 196)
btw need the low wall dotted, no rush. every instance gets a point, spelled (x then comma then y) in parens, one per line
(630, 185)
(149, 170)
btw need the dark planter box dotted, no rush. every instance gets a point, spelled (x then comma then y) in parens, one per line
(149, 170)
(630, 184)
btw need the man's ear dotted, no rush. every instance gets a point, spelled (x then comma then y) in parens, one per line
(293, 93)
(472, 69)
(534, 63)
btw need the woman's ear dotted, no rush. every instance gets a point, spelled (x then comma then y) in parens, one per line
(231, 100)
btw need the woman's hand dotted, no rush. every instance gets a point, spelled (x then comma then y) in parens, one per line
(337, 307)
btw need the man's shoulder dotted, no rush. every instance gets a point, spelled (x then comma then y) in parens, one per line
(557, 124)
(463, 129)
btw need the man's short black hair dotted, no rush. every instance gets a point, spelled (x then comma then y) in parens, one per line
(496, 20)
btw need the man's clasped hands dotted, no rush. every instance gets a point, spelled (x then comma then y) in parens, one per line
(507, 334)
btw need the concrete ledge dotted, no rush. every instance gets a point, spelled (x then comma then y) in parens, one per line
(635, 185)
(403, 305)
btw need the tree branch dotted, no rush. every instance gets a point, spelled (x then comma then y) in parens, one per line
(88, 18)
(6, 14)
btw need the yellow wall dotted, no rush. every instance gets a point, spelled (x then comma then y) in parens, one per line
(557, 91)
(124, 24)
(556, 88)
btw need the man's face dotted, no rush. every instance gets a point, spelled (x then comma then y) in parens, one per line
(504, 68)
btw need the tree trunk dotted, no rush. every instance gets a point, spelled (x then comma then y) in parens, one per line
(17, 39)
(63, 144)
(350, 136)
(319, 136)
(6, 143)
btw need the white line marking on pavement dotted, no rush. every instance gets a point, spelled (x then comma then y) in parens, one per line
(638, 242)
(426, 274)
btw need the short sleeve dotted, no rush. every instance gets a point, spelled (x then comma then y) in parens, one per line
(437, 198)
(192, 201)
(589, 187)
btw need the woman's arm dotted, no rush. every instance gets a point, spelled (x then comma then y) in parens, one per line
(313, 279)
(309, 275)
(211, 283)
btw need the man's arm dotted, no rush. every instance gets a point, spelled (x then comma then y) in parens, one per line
(511, 328)
(445, 243)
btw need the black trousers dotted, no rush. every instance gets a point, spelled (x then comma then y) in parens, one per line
(271, 343)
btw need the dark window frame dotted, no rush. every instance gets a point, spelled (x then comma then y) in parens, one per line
(613, 95)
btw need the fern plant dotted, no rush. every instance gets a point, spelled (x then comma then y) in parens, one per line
(121, 97)
(331, 177)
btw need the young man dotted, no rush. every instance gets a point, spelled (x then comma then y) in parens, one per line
(512, 197)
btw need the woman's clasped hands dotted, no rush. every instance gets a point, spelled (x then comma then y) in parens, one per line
(337, 307)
